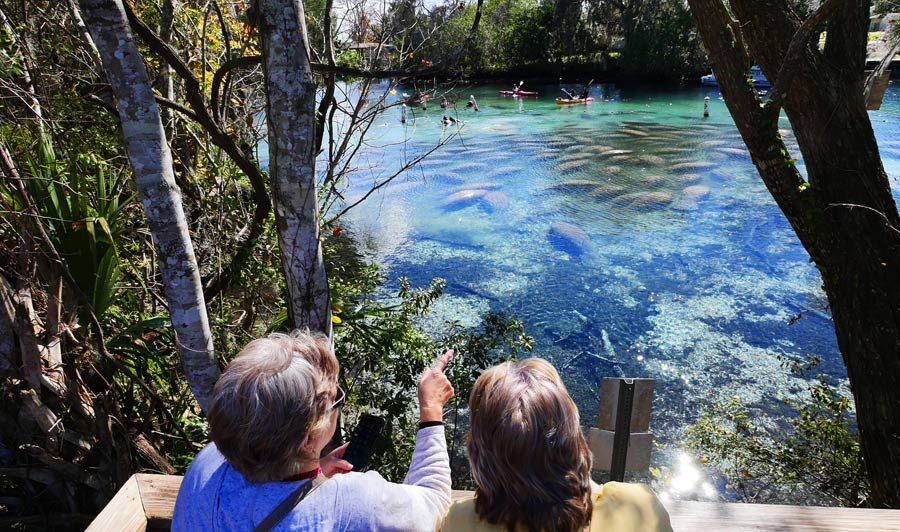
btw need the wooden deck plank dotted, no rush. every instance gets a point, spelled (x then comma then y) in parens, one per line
(124, 512)
(146, 502)
(158, 493)
(688, 516)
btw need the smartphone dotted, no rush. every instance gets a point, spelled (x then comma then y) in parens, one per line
(362, 443)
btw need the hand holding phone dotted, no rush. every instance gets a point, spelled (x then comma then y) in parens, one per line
(362, 443)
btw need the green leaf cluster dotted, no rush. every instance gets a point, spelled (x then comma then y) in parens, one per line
(818, 458)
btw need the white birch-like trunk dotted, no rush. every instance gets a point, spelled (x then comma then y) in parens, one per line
(151, 163)
(290, 111)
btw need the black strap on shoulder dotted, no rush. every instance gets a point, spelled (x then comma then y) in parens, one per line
(288, 504)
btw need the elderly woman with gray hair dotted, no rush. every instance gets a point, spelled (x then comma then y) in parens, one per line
(272, 412)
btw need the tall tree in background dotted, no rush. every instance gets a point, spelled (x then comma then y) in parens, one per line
(843, 212)
(151, 163)
(291, 115)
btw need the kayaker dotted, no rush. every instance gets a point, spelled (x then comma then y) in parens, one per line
(584, 93)
(515, 90)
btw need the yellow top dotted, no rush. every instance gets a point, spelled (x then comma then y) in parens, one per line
(618, 507)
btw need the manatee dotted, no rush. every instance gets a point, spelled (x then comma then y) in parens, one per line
(712, 143)
(606, 191)
(569, 238)
(735, 151)
(684, 204)
(462, 198)
(696, 191)
(693, 165)
(573, 183)
(634, 132)
(688, 178)
(612, 169)
(475, 186)
(598, 149)
(613, 153)
(571, 165)
(652, 180)
(496, 201)
(644, 199)
(471, 166)
(651, 159)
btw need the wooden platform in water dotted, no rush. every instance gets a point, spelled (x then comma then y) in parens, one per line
(146, 502)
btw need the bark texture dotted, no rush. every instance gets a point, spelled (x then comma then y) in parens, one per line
(291, 111)
(151, 162)
(844, 215)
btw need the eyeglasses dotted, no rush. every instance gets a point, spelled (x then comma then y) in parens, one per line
(340, 398)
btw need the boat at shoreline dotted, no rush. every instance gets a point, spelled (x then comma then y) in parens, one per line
(756, 74)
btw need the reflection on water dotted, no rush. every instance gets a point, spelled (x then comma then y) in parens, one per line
(632, 236)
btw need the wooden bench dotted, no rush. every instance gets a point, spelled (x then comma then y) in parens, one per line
(146, 502)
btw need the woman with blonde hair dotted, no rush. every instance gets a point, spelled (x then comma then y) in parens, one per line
(532, 464)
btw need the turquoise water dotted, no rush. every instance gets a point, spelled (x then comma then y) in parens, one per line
(631, 235)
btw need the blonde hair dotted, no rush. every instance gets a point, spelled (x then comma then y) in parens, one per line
(270, 397)
(528, 455)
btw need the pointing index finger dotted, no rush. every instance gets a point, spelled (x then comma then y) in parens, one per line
(442, 362)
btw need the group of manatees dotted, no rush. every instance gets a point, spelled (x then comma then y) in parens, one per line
(637, 165)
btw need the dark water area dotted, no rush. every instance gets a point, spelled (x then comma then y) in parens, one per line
(632, 236)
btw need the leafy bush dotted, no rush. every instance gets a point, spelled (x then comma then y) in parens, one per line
(819, 459)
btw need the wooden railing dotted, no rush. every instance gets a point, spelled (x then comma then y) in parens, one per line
(146, 502)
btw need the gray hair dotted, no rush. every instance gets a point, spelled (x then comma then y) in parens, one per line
(270, 397)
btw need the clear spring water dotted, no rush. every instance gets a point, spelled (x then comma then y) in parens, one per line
(632, 236)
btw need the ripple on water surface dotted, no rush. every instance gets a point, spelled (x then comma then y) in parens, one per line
(631, 236)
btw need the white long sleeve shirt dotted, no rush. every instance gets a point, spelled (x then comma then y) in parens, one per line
(216, 498)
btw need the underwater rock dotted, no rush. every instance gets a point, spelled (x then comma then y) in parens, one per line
(569, 238)
(496, 201)
(462, 198)
(696, 191)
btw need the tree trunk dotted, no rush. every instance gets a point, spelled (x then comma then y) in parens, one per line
(151, 163)
(290, 113)
(845, 215)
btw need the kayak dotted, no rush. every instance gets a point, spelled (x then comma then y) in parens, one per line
(520, 93)
(567, 101)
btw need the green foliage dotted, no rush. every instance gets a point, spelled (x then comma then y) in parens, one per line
(819, 459)
(665, 44)
(383, 349)
(81, 204)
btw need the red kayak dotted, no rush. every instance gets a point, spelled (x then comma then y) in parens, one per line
(518, 93)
